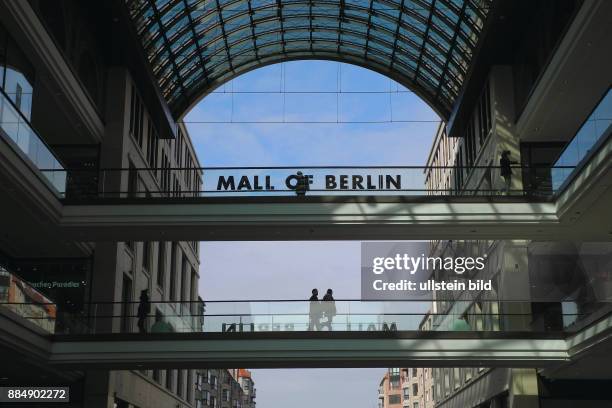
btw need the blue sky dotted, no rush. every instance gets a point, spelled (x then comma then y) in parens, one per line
(266, 144)
(288, 270)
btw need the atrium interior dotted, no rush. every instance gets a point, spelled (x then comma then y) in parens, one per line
(178, 175)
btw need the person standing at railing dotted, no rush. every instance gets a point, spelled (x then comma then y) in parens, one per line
(506, 170)
(329, 309)
(314, 313)
(301, 185)
(144, 308)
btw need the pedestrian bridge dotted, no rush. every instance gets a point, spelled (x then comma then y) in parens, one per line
(350, 203)
(279, 334)
(354, 203)
(303, 349)
(343, 207)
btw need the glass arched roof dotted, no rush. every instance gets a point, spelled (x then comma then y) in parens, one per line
(194, 46)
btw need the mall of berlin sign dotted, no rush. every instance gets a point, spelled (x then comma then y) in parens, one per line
(318, 181)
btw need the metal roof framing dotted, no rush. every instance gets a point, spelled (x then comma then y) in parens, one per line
(195, 46)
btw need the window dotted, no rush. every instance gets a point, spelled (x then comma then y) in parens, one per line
(169, 379)
(165, 174)
(136, 116)
(456, 377)
(126, 297)
(152, 141)
(468, 373)
(194, 291)
(484, 110)
(225, 395)
(414, 372)
(189, 387)
(213, 381)
(179, 382)
(446, 381)
(395, 399)
(161, 263)
(415, 405)
(406, 393)
(185, 275)
(146, 256)
(173, 262)
(132, 180)
(415, 389)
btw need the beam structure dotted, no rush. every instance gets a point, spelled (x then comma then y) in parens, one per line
(277, 350)
(364, 218)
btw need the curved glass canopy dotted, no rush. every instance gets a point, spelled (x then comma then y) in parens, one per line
(196, 45)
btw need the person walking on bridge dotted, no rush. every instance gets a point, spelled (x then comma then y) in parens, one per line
(314, 313)
(329, 309)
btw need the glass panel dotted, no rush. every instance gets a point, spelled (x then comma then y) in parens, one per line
(594, 128)
(304, 28)
(17, 128)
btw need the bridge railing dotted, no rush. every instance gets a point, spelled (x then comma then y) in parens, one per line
(183, 183)
(287, 316)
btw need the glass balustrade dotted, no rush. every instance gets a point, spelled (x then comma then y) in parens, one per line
(319, 181)
(275, 316)
(17, 128)
(586, 139)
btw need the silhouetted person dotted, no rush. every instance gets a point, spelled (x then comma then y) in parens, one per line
(144, 308)
(329, 309)
(314, 314)
(506, 170)
(301, 185)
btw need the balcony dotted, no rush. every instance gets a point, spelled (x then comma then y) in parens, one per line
(19, 134)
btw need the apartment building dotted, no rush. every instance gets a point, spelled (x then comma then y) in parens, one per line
(221, 388)
(406, 387)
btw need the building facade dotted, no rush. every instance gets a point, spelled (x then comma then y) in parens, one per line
(66, 99)
(406, 388)
(220, 388)
(493, 123)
